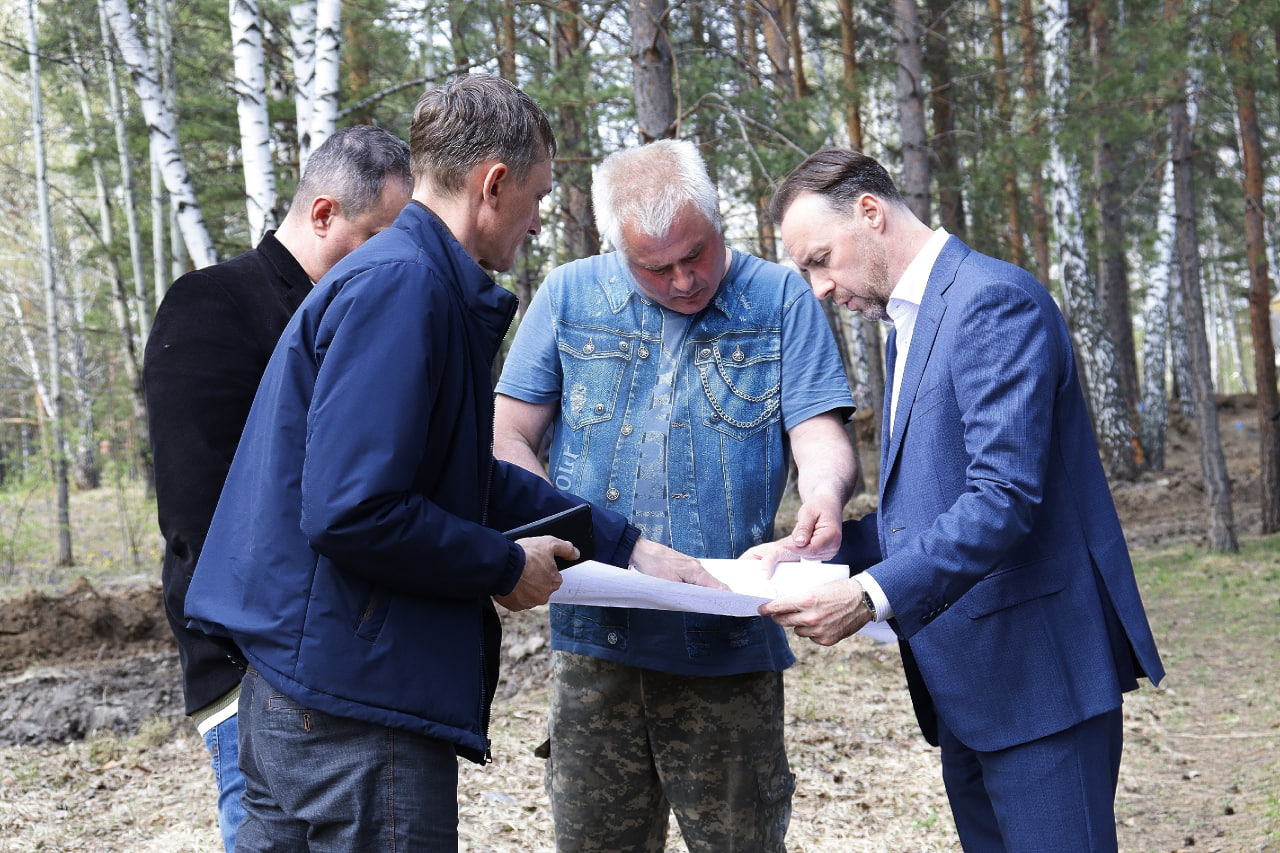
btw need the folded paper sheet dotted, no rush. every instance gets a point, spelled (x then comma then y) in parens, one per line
(600, 584)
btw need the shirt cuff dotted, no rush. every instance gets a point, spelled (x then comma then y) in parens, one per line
(884, 610)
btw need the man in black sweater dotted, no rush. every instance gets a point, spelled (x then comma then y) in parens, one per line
(213, 335)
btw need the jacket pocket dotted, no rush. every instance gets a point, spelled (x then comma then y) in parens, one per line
(741, 378)
(594, 361)
(1010, 587)
(373, 614)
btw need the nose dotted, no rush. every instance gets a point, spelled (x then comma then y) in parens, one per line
(822, 286)
(682, 278)
(535, 227)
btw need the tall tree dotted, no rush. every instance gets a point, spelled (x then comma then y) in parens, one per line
(1032, 95)
(1155, 339)
(652, 66)
(162, 127)
(1213, 464)
(1094, 348)
(255, 125)
(851, 91)
(324, 95)
(936, 59)
(302, 48)
(915, 139)
(1264, 351)
(1009, 193)
(59, 443)
(1114, 278)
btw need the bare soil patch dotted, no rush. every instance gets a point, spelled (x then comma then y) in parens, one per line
(96, 755)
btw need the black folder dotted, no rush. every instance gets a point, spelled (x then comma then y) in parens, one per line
(573, 524)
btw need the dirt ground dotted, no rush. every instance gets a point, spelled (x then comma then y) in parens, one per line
(95, 754)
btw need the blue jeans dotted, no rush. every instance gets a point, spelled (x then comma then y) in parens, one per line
(224, 756)
(316, 782)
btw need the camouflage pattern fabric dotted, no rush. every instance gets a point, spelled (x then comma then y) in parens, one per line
(629, 745)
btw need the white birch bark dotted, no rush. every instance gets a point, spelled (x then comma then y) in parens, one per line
(1155, 338)
(302, 40)
(162, 129)
(115, 104)
(63, 512)
(1095, 349)
(324, 113)
(251, 108)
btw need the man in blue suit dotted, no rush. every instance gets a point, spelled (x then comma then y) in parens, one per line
(1004, 573)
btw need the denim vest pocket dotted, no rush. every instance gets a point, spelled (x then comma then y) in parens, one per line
(709, 634)
(603, 627)
(594, 360)
(741, 378)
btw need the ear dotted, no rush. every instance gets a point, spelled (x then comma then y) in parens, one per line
(871, 209)
(324, 211)
(494, 182)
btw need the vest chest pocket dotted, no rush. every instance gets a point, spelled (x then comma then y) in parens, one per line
(593, 361)
(741, 379)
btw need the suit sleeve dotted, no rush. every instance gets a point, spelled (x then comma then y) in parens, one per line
(979, 436)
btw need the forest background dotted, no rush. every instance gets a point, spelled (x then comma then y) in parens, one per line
(1122, 150)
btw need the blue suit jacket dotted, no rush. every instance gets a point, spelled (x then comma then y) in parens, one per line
(1004, 561)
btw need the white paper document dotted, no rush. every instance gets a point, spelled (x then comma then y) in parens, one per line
(600, 584)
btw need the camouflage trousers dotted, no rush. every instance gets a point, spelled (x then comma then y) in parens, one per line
(630, 745)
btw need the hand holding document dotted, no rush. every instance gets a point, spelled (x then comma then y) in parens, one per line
(596, 583)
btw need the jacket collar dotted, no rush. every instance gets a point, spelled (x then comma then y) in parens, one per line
(286, 266)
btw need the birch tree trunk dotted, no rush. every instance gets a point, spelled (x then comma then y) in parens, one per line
(1094, 347)
(302, 42)
(1213, 464)
(87, 472)
(163, 130)
(115, 106)
(59, 449)
(1264, 350)
(1155, 341)
(651, 69)
(324, 112)
(251, 108)
(915, 139)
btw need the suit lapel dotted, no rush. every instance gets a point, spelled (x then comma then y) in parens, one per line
(928, 320)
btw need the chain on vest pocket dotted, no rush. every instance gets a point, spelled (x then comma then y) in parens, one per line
(741, 378)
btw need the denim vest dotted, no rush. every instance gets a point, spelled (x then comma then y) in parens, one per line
(727, 457)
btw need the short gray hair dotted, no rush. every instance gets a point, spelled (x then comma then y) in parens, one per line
(353, 166)
(473, 118)
(647, 187)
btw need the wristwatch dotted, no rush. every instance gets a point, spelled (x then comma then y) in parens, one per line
(869, 604)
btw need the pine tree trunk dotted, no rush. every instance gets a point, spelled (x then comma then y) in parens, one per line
(937, 65)
(777, 47)
(1094, 347)
(1264, 351)
(1213, 464)
(851, 91)
(915, 138)
(651, 68)
(59, 448)
(251, 109)
(581, 240)
(163, 130)
(1035, 183)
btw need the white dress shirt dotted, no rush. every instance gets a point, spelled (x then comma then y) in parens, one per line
(904, 305)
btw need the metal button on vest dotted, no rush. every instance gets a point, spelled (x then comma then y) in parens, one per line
(627, 429)
(624, 346)
(705, 353)
(612, 638)
(737, 354)
(589, 348)
(599, 408)
(612, 494)
(644, 352)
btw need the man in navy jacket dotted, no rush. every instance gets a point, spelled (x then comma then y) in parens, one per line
(1005, 573)
(210, 343)
(356, 546)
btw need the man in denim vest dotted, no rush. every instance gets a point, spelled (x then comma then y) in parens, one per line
(679, 377)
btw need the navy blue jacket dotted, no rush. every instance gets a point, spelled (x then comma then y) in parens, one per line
(355, 546)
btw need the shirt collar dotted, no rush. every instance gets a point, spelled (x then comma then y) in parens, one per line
(910, 288)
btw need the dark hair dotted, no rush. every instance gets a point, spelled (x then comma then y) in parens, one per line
(840, 175)
(473, 118)
(353, 165)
